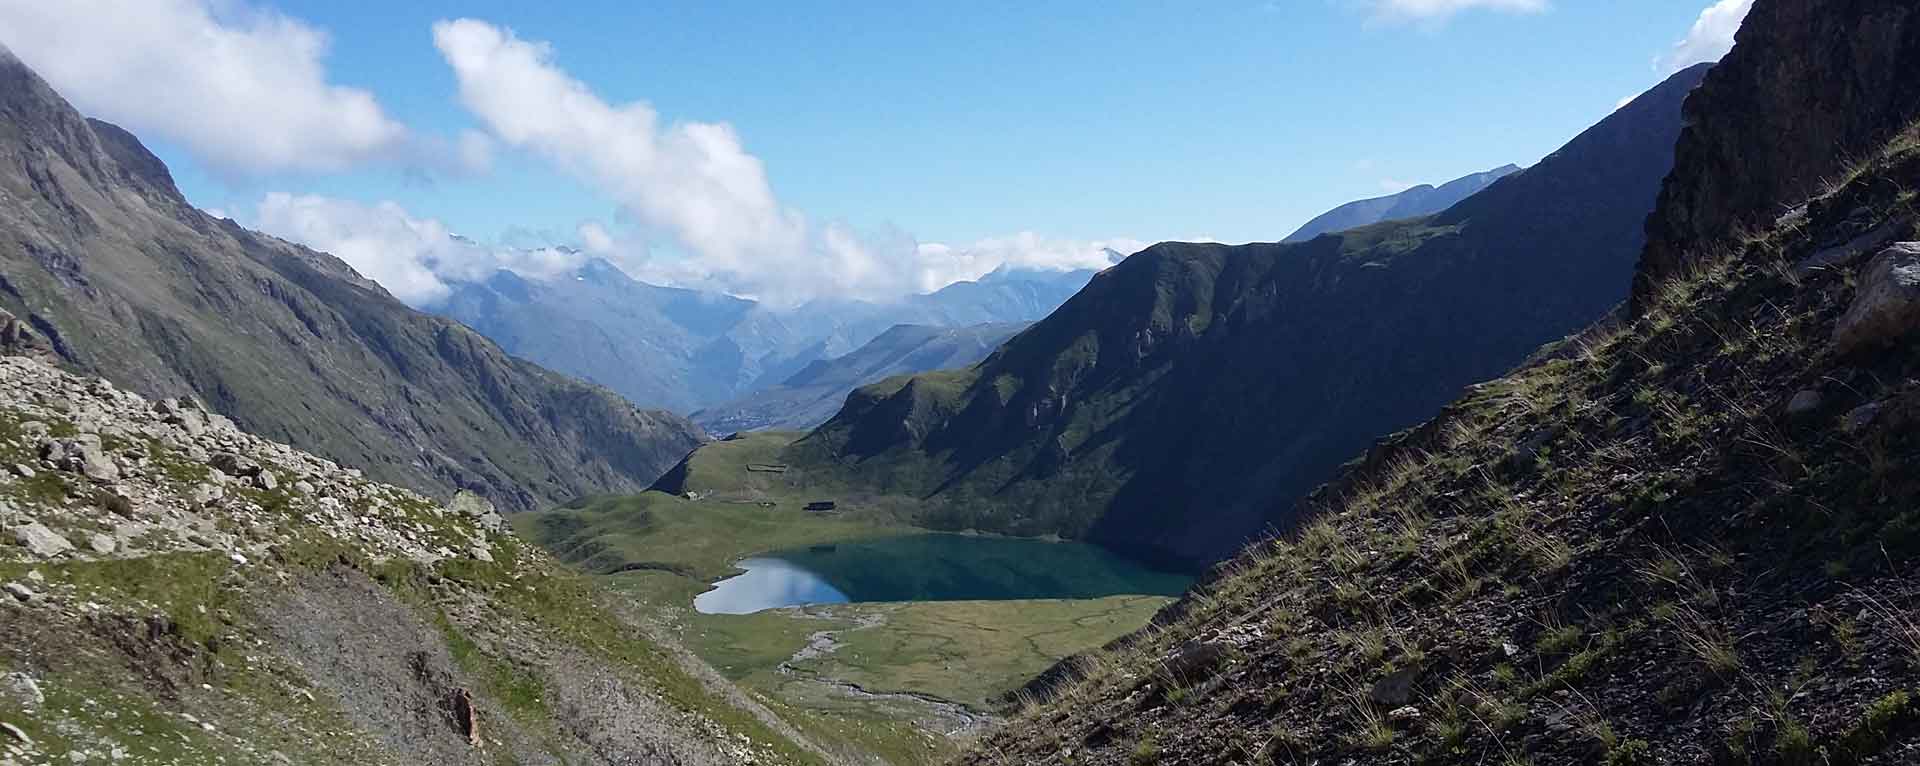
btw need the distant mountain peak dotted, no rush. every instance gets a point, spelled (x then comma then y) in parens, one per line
(1425, 199)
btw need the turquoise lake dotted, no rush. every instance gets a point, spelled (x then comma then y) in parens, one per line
(933, 567)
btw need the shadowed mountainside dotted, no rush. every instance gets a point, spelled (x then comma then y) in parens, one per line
(1181, 402)
(101, 255)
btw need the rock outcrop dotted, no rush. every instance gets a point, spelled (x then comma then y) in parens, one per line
(1811, 86)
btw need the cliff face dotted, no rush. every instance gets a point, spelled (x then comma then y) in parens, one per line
(1812, 86)
(103, 258)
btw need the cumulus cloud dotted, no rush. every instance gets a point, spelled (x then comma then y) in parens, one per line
(413, 258)
(243, 88)
(692, 184)
(1711, 36)
(1440, 10)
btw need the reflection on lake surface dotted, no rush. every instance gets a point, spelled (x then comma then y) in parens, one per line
(767, 584)
(933, 567)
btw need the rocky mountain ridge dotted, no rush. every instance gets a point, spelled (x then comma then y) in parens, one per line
(685, 350)
(815, 393)
(103, 257)
(1422, 200)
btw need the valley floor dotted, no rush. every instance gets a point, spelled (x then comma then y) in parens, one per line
(894, 683)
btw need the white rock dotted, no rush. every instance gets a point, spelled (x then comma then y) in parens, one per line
(102, 544)
(23, 689)
(40, 541)
(1886, 305)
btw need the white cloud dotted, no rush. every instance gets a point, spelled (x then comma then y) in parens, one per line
(1711, 36)
(1440, 10)
(1395, 185)
(943, 264)
(695, 185)
(413, 258)
(243, 88)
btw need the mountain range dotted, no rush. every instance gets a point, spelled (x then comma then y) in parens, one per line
(685, 350)
(815, 393)
(101, 255)
(1176, 406)
(1418, 201)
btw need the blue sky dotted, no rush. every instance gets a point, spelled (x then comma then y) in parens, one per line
(891, 126)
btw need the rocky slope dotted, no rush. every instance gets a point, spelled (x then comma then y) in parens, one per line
(1809, 89)
(101, 255)
(1418, 201)
(1181, 402)
(685, 350)
(1686, 536)
(177, 591)
(815, 393)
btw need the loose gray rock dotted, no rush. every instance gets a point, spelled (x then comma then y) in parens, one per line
(20, 592)
(478, 508)
(1886, 305)
(1804, 403)
(1862, 416)
(202, 494)
(1196, 660)
(40, 541)
(234, 465)
(102, 544)
(1847, 254)
(21, 688)
(266, 480)
(14, 733)
(1396, 690)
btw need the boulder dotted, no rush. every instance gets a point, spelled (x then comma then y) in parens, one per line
(1862, 416)
(1804, 403)
(1886, 304)
(1396, 690)
(81, 454)
(40, 541)
(266, 480)
(22, 689)
(234, 465)
(479, 509)
(1196, 661)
